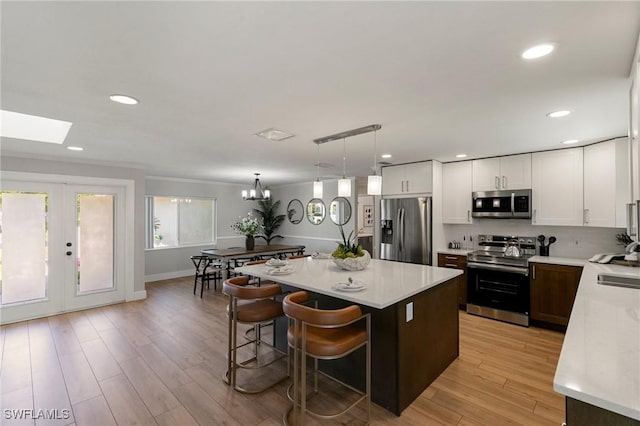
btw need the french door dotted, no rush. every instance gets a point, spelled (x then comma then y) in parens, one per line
(61, 248)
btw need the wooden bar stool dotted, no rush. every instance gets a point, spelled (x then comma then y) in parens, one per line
(324, 334)
(253, 306)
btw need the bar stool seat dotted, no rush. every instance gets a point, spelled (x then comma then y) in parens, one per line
(253, 306)
(323, 334)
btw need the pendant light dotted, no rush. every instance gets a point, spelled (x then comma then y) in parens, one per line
(344, 184)
(317, 185)
(374, 182)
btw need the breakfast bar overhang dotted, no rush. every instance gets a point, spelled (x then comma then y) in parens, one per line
(414, 320)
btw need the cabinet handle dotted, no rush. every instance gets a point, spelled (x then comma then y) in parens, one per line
(451, 265)
(469, 216)
(534, 271)
(407, 185)
(451, 257)
(504, 182)
(533, 218)
(586, 216)
(496, 182)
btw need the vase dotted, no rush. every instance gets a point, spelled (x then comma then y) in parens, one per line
(250, 242)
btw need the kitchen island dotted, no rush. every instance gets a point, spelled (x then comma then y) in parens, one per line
(599, 366)
(414, 321)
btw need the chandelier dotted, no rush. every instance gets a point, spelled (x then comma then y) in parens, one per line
(256, 193)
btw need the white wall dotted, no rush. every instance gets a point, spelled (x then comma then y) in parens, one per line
(28, 165)
(316, 238)
(174, 262)
(572, 241)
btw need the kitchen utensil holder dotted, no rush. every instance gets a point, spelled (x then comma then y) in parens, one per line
(544, 250)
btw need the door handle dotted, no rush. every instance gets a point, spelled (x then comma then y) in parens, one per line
(68, 244)
(69, 253)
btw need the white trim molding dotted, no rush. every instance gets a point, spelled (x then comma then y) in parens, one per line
(168, 275)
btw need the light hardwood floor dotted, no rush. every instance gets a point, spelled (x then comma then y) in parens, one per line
(160, 361)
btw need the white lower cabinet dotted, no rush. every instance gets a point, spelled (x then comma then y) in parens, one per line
(457, 183)
(557, 187)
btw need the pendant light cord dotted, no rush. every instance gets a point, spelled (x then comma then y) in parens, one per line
(344, 158)
(375, 153)
(318, 163)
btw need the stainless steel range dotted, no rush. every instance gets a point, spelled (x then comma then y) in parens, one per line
(498, 278)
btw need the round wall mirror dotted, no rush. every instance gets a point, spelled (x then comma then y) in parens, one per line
(295, 211)
(316, 211)
(340, 210)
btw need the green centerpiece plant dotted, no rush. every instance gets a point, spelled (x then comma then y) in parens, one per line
(349, 255)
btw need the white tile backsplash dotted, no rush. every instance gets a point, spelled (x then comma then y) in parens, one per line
(572, 241)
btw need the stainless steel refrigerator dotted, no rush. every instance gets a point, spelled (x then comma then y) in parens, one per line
(405, 233)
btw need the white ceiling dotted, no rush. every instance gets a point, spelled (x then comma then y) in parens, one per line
(441, 78)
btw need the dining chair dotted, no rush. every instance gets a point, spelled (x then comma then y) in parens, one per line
(206, 270)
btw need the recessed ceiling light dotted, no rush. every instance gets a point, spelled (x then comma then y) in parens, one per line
(461, 155)
(386, 156)
(570, 141)
(123, 99)
(32, 127)
(275, 134)
(538, 51)
(75, 148)
(558, 114)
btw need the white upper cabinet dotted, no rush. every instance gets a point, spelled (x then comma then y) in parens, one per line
(557, 187)
(457, 179)
(606, 188)
(511, 172)
(408, 179)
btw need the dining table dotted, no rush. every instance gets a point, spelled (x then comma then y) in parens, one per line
(414, 319)
(224, 255)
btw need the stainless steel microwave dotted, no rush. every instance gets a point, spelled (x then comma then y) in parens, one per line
(502, 204)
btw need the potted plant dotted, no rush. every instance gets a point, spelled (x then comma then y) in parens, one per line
(248, 226)
(270, 220)
(349, 255)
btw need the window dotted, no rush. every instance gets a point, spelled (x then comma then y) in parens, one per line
(178, 221)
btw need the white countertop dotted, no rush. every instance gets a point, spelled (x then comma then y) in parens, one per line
(455, 252)
(600, 359)
(568, 261)
(386, 282)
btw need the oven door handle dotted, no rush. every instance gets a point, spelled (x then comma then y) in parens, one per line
(503, 268)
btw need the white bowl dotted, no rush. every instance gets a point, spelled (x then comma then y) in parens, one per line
(353, 263)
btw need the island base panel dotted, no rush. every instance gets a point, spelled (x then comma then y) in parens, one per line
(580, 413)
(406, 357)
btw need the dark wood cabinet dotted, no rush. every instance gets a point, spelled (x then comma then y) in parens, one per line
(454, 261)
(553, 290)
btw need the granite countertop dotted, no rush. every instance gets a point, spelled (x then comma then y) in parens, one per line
(600, 359)
(386, 282)
(568, 261)
(455, 252)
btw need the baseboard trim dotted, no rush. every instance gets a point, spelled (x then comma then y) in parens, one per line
(168, 275)
(137, 295)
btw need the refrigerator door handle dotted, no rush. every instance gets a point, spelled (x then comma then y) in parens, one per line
(401, 222)
(638, 220)
(630, 220)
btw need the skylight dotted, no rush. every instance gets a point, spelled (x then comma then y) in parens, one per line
(33, 128)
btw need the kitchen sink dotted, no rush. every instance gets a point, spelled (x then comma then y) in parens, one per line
(619, 280)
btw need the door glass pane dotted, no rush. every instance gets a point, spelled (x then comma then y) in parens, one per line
(95, 242)
(23, 246)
